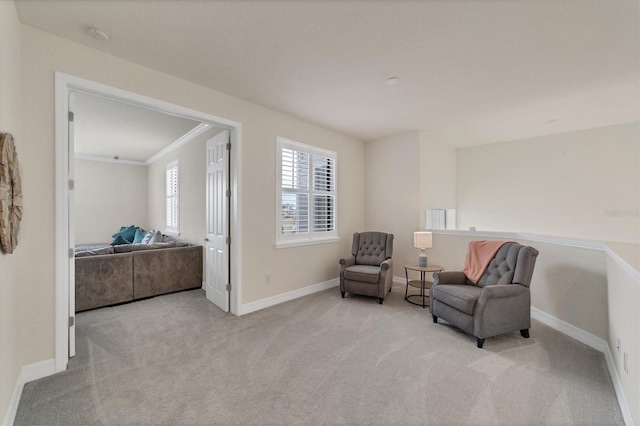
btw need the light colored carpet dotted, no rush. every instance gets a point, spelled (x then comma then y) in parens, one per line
(177, 359)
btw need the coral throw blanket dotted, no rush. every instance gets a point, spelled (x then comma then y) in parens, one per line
(478, 257)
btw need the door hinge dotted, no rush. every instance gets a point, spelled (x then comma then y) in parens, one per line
(72, 184)
(72, 321)
(70, 115)
(228, 240)
(71, 253)
(228, 146)
(228, 287)
(228, 193)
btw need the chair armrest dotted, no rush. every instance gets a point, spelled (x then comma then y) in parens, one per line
(349, 261)
(386, 265)
(454, 277)
(502, 290)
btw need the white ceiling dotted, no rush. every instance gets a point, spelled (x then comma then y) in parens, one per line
(107, 128)
(474, 71)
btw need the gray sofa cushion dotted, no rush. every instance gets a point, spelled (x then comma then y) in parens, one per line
(127, 248)
(460, 297)
(95, 252)
(363, 273)
(178, 242)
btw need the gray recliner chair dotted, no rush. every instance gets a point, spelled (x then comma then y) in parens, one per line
(500, 302)
(369, 270)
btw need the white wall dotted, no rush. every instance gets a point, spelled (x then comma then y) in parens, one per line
(438, 174)
(392, 184)
(563, 185)
(624, 324)
(192, 170)
(11, 277)
(108, 196)
(291, 268)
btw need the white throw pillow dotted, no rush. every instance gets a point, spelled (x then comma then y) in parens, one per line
(148, 236)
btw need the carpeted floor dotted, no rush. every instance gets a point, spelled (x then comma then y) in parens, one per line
(177, 359)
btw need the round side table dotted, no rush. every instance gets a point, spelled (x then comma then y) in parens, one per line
(423, 284)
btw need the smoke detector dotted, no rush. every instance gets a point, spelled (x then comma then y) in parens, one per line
(99, 34)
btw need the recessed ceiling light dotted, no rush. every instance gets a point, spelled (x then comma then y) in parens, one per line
(99, 34)
(393, 80)
(551, 121)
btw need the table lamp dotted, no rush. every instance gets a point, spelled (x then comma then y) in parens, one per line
(422, 240)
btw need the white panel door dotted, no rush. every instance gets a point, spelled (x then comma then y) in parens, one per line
(217, 221)
(72, 263)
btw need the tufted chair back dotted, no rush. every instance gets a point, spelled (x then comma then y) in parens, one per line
(513, 264)
(372, 248)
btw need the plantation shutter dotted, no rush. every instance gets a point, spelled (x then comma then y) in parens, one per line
(306, 191)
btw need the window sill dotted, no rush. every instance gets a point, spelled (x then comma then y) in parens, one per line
(172, 233)
(297, 243)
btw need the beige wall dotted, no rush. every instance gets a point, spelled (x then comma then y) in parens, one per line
(392, 184)
(563, 185)
(11, 264)
(291, 268)
(108, 196)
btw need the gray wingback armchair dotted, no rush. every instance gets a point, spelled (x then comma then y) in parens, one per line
(499, 303)
(369, 269)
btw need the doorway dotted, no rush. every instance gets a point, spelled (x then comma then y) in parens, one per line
(65, 86)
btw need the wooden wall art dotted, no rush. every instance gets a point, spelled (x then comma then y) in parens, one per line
(10, 194)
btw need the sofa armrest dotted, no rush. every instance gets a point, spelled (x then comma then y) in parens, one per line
(453, 277)
(502, 290)
(387, 264)
(349, 261)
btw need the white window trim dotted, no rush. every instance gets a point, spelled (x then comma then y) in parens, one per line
(293, 240)
(172, 230)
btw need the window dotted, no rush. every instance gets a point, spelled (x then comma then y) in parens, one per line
(173, 201)
(306, 194)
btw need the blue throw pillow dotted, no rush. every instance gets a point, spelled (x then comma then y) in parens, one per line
(119, 240)
(128, 233)
(139, 236)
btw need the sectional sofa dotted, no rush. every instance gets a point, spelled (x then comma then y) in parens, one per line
(108, 275)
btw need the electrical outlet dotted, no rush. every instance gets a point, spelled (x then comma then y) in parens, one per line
(619, 347)
(267, 279)
(626, 363)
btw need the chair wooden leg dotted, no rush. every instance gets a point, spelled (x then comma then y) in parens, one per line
(380, 300)
(342, 294)
(435, 318)
(480, 342)
(525, 333)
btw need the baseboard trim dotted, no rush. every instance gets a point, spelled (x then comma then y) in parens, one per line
(267, 302)
(569, 329)
(594, 342)
(617, 386)
(28, 373)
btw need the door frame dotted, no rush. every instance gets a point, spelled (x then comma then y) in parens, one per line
(64, 84)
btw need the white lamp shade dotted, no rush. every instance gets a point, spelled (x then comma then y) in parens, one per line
(422, 240)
